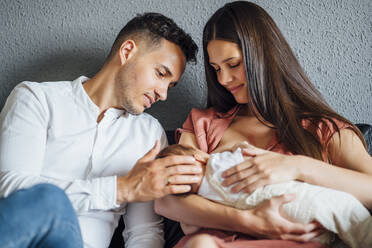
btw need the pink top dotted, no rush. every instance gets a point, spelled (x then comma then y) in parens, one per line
(208, 125)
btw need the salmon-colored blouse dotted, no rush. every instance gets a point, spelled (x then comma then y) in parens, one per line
(208, 125)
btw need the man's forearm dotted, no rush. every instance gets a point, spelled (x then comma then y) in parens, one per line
(195, 210)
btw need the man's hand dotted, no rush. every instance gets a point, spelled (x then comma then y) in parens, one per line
(152, 178)
(269, 222)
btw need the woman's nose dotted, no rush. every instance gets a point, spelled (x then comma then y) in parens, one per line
(225, 77)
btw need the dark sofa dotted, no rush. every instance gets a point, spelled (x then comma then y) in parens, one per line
(173, 230)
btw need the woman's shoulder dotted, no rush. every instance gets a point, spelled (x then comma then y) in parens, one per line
(330, 124)
(324, 128)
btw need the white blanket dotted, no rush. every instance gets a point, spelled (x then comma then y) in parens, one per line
(337, 211)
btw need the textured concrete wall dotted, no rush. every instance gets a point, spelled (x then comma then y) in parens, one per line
(59, 40)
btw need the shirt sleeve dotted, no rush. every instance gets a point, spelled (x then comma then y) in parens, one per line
(23, 138)
(143, 227)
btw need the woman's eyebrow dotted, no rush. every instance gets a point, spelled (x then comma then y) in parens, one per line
(224, 61)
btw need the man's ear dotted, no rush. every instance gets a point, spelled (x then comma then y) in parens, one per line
(127, 50)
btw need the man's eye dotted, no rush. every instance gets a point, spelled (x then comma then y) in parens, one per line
(160, 74)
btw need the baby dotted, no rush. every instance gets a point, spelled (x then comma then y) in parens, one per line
(336, 211)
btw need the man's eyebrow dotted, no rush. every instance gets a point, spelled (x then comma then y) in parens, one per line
(224, 61)
(167, 70)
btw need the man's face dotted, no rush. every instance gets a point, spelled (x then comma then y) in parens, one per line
(146, 77)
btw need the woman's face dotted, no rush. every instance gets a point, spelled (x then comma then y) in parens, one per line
(227, 60)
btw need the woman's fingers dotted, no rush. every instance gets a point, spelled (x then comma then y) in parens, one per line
(237, 168)
(240, 176)
(247, 182)
(292, 228)
(251, 150)
(260, 182)
(305, 237)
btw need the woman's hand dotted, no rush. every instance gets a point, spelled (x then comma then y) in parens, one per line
(261, 168)
(269, 223)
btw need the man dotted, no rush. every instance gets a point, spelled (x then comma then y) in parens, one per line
(89, 136)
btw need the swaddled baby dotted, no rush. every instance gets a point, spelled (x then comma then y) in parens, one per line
(337, 211)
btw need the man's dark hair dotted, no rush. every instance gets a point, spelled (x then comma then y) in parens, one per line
(151, 28)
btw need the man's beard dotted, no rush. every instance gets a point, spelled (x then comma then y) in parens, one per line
(125, 79)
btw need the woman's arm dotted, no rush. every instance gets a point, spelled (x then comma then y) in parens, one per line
(352, 172)
(351, 161)
(263, 221)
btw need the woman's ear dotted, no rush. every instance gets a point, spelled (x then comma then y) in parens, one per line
(127, 50)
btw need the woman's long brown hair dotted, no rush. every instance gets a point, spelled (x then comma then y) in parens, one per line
(280, 93)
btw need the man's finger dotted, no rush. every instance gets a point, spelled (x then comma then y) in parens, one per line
(151, 154)
(177, 160)
(183, 170)
(183, 179)
(177, 189)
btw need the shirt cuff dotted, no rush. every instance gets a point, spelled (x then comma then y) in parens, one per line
(104, 195)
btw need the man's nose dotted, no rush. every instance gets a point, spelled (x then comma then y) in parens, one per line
(161, 93)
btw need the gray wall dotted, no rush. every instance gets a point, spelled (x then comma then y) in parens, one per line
(60, 40)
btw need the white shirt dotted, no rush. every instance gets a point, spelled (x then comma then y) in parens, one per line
(49, 133)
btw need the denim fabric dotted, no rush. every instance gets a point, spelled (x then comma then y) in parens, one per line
(41, 216)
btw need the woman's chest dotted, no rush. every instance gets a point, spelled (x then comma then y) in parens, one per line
(246, 129)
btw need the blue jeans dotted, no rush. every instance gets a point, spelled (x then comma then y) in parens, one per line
(41, 216)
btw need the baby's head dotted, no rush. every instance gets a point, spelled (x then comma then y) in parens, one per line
(178, 149)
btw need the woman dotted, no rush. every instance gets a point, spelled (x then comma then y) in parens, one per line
(258, 92)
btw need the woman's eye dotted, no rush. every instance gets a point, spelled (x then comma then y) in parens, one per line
(234, 65)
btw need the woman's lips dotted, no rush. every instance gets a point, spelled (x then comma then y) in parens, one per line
(235, 89)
